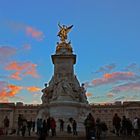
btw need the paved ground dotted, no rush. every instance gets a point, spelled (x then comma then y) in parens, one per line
(64, 138)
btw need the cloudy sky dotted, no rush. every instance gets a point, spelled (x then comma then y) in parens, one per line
(105, 38)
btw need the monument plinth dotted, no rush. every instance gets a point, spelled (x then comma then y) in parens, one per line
(64, 97)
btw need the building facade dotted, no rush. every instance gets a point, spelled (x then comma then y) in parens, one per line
(12, 111)
(104, 112)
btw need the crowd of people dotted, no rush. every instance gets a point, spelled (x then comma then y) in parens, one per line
(125, 126)
(121, 127)
(94, 128)
(40, 127)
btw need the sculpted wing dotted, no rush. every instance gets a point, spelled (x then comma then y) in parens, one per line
(59, 26)
(69, 28)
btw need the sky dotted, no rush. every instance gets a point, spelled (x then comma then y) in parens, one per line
(105, 37)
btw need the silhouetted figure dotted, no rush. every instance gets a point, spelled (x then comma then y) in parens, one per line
(104, 129)
(39, 126)
(48, 125)
(6, 125)
(69, 129)
(33, 126)
(124, 126)
(53, 126)
(98, 128)
(129, 127)
(74, 127)
(20, 123)
(24, 125)
(90, 126)
(117, 123)
(43, 132)
(29, 126)
(61, 125)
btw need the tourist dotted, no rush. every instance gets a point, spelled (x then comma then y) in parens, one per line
(124, 125)
(117, 124)
(135, 126)
(48, 125)
(74, 127)
(104, 129)
(129, 127)
(24, 125)
(98, 128)
(90, 126)
(39, 126)
(69, 128)
(6, 125)
(61, 125)
(43, 131)
(29, 126)
(53, 126)
(20, 123)
(33, 126)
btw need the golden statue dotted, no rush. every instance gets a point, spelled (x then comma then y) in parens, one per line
(63, 32)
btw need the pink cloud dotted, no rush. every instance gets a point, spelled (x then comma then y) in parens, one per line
(22, 69)
(114, 77)
(34, 33)
(132, 86)
(28, 30)
(15, 76)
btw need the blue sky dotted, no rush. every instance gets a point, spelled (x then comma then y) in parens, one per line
(105, 38)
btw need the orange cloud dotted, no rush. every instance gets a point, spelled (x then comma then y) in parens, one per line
(8, 90)
(88, 94)
(22, 69)
(34, 33)
(33, 89)
(13, 90)
(118, 74)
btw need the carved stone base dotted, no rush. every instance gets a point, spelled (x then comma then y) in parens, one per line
(66, 110)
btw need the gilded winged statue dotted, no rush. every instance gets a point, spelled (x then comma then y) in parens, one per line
(63, 32)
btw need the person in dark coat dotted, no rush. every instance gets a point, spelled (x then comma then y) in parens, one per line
(90, 126)
(74, 127)
(61, 125)
(29, 126)
(6, 125)
(53, 126)
(124, 125)
(117, 123)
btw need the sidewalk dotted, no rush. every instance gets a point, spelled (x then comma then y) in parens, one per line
(65, 138)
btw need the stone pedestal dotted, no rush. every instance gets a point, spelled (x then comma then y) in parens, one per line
(66, 110)
(64, 97)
